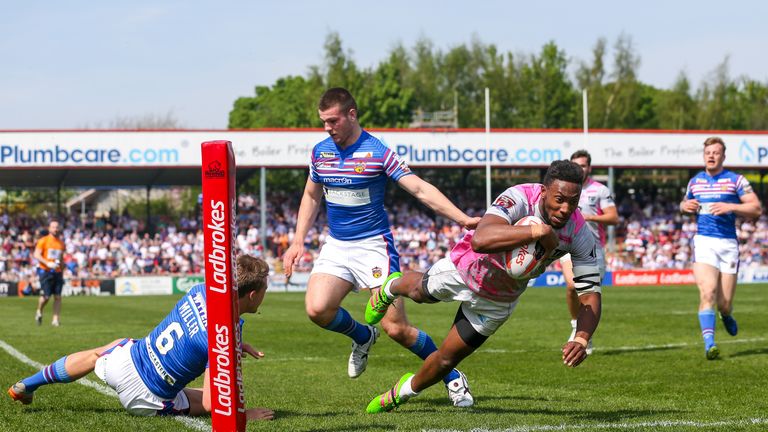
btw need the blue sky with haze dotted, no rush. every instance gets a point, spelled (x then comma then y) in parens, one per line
(78, 63)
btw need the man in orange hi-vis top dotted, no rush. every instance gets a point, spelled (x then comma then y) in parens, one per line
(49, 253)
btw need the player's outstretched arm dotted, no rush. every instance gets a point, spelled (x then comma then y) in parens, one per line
(259, 414)
(575, 351)
(247, 348)
(434, 199)
(310, 205)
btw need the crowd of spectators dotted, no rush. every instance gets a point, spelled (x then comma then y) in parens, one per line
(652, 235)
(657, 236)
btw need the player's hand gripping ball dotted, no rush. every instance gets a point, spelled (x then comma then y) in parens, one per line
(521, 261)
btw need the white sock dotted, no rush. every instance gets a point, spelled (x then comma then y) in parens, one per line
(573, 324)
(406, 391)
(387, 291)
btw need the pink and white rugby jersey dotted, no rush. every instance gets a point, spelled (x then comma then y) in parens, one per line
(485, 274)
(594, 198)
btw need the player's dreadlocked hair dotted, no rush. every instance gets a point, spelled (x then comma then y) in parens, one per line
(251, 274)
(563, 170)
(337, 96)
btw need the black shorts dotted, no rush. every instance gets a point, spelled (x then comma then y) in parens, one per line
(51, 283)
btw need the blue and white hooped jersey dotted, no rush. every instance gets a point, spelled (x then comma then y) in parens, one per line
(727, 187)
(354, 182)
(176, 351)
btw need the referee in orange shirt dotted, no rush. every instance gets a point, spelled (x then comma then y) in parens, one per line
(49, 253)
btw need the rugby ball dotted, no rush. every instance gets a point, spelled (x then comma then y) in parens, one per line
(521, 261)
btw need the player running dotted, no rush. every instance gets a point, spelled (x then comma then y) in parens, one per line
(475, 275)
(717, 196)
(598, 209)
(350, 169)
(150, 375)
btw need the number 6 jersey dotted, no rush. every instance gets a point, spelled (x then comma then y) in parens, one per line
(176, 351)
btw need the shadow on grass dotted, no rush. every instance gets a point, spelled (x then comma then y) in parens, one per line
(528, 398)
(358, 427)
(286, 414)
(436, 405)
(757, 351)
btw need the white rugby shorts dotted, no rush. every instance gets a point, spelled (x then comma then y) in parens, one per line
(117, 370)
(721, 253)
(485, 316)
(365, 263)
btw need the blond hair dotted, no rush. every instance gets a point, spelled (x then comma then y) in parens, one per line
(252, 274)
(714, 140)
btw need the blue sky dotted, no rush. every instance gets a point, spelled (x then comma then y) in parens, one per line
(78, 63)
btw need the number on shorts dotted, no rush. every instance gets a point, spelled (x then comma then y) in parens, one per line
(164, 342)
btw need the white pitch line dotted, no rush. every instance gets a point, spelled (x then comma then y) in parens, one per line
(653, 424)
(190, 422)
(677, 345)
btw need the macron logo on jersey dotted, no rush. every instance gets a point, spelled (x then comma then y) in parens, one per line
(340, 180)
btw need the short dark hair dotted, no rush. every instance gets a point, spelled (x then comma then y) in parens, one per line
(564, 170)
(252, 274)
(337, 96)
(714, 140)
(580, 154)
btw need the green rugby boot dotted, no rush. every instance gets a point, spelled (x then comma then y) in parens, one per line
(390, 399)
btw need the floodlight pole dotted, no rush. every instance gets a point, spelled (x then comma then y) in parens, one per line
(263, 216)
(487, 148)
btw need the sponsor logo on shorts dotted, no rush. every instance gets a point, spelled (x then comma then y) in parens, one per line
(376, 272)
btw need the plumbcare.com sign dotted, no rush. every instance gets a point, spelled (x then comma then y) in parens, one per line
(291, 148)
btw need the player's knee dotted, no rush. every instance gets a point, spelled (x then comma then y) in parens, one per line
(396, 331)
(707, 296)
(417, 294)
(319, 315)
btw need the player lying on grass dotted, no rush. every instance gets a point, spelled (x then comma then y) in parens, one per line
(150, 375)
(475, 274)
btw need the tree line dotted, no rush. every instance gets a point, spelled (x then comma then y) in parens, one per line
(527, 90)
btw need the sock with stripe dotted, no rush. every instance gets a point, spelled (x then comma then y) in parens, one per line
(53, 373)
(344, 324)
(406, 391)
(423, 347)
(707, 323)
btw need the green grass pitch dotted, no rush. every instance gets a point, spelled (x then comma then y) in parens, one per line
(648, 371)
